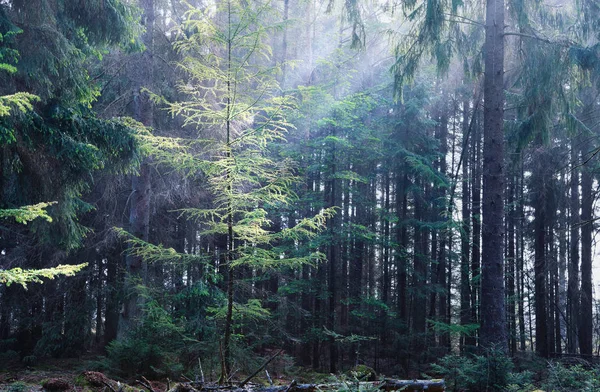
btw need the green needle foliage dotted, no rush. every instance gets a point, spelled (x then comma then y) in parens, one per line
(234, 103)
(27, 213)
(22, 277)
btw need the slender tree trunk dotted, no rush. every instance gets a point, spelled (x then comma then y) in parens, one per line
(99, 298)
(332, 256)
(476, 219)
(585, 310)
(226, 364)
(521, 258)
(419, 297)
(511, 268)
(561, 307)
(540, 269)
(465, 279)
(573, 268)
(444, 338)
(386, 277)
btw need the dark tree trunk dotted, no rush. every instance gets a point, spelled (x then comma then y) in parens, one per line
(585, 310)
(419, 278)
(331, 194)
(99, 299)
(402, 239)
(521, 257)
(465, 279)
(561, 306)
(111, 315)
(540, 269)
(511, 268)
(139, 212)
(476, 226)
(444, 338)
(573, 267)
(493, 320)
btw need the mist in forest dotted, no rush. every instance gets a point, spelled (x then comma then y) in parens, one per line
(191, 188)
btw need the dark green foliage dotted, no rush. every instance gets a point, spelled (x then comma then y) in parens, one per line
(489, 372)
(155, 347)
(562, 378)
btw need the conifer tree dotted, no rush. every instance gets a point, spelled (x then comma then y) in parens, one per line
(236, 107)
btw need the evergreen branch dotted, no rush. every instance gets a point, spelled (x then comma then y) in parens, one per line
(28, 213)
(22, 277)
(565, 43)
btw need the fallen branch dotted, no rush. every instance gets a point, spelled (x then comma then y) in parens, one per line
(108, 386)
(386, 385)
(145, 384)
(264, 365)
(292, 385)
(269, 377)
(413, 385)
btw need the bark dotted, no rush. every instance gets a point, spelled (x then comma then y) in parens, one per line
(332, 255)
(465, 247)
(540, 268)
(111, 315)
(520, 259)
(573, 267)
(493, 320)
(139, 212)
(585, 310)
(419, 298)
(511, 309)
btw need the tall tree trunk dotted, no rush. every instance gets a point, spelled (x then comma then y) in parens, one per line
(562, 266)
(585, 310)
(476, 225)
(444, 338)
(419, 296)
(511, 310)
(332, 256)
(139, 212)
(493, 320)
(111, 315)
(540, 269)
(521, 256)
(465, 279)
(573, 268)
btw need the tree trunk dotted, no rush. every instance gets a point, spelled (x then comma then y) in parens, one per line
(540, 269)
(476, 225)
(585, 310)
(573, 267)
(465, 279)
(520, 272)
(493, 320)
(511, 268)
(139, 212)
(419, 297)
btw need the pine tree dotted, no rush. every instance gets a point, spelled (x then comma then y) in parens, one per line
(235, 101)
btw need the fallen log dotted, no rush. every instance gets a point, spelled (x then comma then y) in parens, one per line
(413, 385)
(386, 385)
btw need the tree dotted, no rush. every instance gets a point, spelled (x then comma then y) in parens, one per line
(53, 145)
(234, 98)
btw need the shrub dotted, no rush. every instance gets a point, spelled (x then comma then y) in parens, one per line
(153, 348)
(572, 378)
(489, 372)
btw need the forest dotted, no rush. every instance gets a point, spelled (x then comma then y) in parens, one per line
(331, 192)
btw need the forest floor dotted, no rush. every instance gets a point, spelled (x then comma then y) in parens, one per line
(67, 375)
(70, 375)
